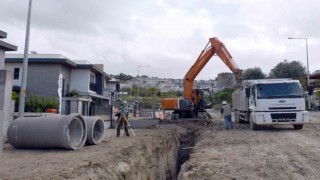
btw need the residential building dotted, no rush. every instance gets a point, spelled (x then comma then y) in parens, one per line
(88, 80)
(5, 90)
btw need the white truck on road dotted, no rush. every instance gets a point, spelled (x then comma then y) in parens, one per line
(270, 102)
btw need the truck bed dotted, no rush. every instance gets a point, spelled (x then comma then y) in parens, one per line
(239, 100)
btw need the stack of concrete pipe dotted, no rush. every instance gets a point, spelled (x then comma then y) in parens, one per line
(95, 130)
(63, 131)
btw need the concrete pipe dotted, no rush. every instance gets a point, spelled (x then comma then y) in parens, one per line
(64, 131)
(95, 130)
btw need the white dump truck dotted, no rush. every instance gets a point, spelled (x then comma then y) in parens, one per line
(270, 102)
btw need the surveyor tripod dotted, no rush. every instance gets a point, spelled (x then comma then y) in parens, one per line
(126, 123)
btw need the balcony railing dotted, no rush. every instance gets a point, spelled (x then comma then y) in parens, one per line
(102, 110)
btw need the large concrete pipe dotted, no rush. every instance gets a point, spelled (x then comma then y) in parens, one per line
(65, 131)
(95, 130)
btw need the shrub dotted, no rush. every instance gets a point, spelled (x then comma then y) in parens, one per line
(54, 103)
(14, 96)
(34, 105)
(74, 93)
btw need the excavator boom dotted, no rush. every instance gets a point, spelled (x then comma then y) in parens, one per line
(194, 103)
(216, 47)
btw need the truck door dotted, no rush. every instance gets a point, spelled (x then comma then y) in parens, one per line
(252, 98)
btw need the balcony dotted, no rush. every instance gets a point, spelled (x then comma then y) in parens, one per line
(93, 87)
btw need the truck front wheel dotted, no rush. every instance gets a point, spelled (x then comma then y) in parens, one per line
(253, 126)
(298, 126)
(238, 118)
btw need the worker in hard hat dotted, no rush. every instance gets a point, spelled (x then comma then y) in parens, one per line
(226, 112)
(122, 120)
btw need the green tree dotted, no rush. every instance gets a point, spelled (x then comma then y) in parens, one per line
(169, 94)
(43, 104)
(152, 91)
(179, 93)
(285, 69)
(224, 95)
(143, 91)
(48, 103)
(36, 103)
(253, 73)
(123, 77)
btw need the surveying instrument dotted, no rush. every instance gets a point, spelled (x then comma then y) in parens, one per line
(122, 120)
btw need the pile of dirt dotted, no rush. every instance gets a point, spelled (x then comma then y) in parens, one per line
(203, 150)
(279, 152)
(151, 154)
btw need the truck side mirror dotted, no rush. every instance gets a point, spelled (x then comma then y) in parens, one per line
(247, 92)
(310, 90)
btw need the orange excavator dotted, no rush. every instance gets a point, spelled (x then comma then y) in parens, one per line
(193, 104)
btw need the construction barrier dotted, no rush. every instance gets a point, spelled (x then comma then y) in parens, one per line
(64, 131)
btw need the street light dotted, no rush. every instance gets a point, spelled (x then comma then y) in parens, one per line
(138, 82)
(308, 83)
(25, 65)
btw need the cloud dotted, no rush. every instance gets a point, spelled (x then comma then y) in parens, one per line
(167, 35)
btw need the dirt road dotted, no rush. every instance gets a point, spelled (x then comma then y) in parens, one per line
(270, 153)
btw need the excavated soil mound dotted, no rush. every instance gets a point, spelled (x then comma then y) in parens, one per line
(279, 152)
(152, 154)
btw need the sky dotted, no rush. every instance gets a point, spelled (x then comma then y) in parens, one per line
(167, 35)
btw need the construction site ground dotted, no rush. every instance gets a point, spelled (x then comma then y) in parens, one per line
(155, 153)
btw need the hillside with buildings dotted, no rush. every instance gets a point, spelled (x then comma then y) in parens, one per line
(224, 80)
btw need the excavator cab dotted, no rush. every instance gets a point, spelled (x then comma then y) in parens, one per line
(202, 98)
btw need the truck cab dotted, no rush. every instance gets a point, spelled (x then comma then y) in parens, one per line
(274, 102)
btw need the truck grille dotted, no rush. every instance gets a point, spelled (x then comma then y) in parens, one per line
(274, 108)
(284, 117)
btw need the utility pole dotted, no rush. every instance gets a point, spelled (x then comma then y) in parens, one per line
(23, 88)
(308, 79)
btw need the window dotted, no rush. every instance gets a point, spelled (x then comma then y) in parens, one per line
(16, 73)
(63, 84)
(279, 90)
(92, 78)
(92, 85)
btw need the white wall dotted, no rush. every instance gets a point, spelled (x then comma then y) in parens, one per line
(10, 67)
(5, 101)
(111, 86)
(80, 79)
(2, 55)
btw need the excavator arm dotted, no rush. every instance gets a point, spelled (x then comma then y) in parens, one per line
(216, 47)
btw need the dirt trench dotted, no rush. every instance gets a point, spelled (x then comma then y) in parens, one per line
(151, 154)
(187, 141)
(278, 152)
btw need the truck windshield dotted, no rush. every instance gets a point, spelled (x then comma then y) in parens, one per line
(279, 90)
